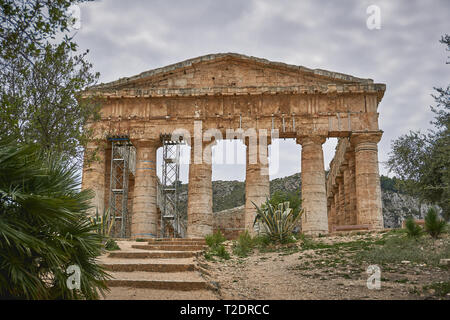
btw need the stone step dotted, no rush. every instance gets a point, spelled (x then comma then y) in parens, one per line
(152, 254)
(149, 267)
(169, 247)
(182, 281)
(192, 243)
(122, 293)
(158, 240)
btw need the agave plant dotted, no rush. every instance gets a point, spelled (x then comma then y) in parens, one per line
(278, 222)
(44, 228)
(103, 223)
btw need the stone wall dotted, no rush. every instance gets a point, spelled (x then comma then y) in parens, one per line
(230, 222)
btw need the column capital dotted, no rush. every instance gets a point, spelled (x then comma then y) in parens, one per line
(308, 139)
(146, 143)
(365, 137)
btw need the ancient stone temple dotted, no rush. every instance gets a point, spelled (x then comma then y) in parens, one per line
(232, 96)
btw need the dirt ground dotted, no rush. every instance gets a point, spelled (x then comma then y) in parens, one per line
(296, 272)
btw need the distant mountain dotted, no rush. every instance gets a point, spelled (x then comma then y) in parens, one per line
(396, 205)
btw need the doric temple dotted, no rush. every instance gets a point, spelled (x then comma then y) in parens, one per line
(232, 92)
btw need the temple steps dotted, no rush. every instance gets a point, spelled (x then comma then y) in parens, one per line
(176, 240)
(192, 243)
(159, 280)
(169, 247)
(153, 254)
(162, 266)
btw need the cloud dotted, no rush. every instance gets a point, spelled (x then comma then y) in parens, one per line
(128, 37)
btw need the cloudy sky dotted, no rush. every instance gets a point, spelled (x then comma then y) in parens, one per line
(128, 37)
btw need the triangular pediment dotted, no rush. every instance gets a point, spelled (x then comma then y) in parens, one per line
(229, 70)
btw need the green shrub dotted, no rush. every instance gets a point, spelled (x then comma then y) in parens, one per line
(244, 245)
(111, 245)
(215, 239)
(433, 225)
(278, 222)
(215, 246)
(221, 252)
(413, 230)
(140, 240)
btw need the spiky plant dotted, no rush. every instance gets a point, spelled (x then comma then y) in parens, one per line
(413, 230)
(278, 222)
(103, 223)
(44, 228)
(434, 226)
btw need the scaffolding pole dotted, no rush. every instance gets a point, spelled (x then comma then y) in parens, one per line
(123, 156)
(170, 213)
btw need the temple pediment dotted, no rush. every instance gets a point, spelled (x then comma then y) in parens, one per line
(230, 70)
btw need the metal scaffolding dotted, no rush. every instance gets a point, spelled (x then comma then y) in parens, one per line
(123, 163)
(172, 223)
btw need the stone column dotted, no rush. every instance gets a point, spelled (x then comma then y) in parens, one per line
(200, 209)
(367, 179)
(347, 211)
(341, 213)
(257, 186)
(331, 213)
(144, 220)
(94, 174)
(314, 219)
(350, 156)
(337, 206)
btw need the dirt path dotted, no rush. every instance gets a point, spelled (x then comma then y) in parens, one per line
(326, 273)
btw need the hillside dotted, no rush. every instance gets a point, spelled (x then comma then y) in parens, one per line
(396, 205)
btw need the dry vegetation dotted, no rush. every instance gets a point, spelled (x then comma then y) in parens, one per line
(333, 267)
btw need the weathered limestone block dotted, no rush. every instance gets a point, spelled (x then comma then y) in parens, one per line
(368, 190)
(314, 220)
(144, 220)
(230, 222)
(257, 185)
(94, 175)
(200, 212)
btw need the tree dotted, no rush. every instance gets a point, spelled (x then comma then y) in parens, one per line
(44, 227)
(40, 78)
(422, 160)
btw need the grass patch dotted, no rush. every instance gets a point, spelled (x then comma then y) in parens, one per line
(216, 247)
(441, 289)
(396, 249)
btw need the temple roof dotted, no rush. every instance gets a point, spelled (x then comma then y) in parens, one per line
(326, 77)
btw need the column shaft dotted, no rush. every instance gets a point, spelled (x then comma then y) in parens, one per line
(257, 186)
(314, 220)
(347, 209)
(94, 175)
(144, 220)
(368, 191)
(351, 167)
(200, 219)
